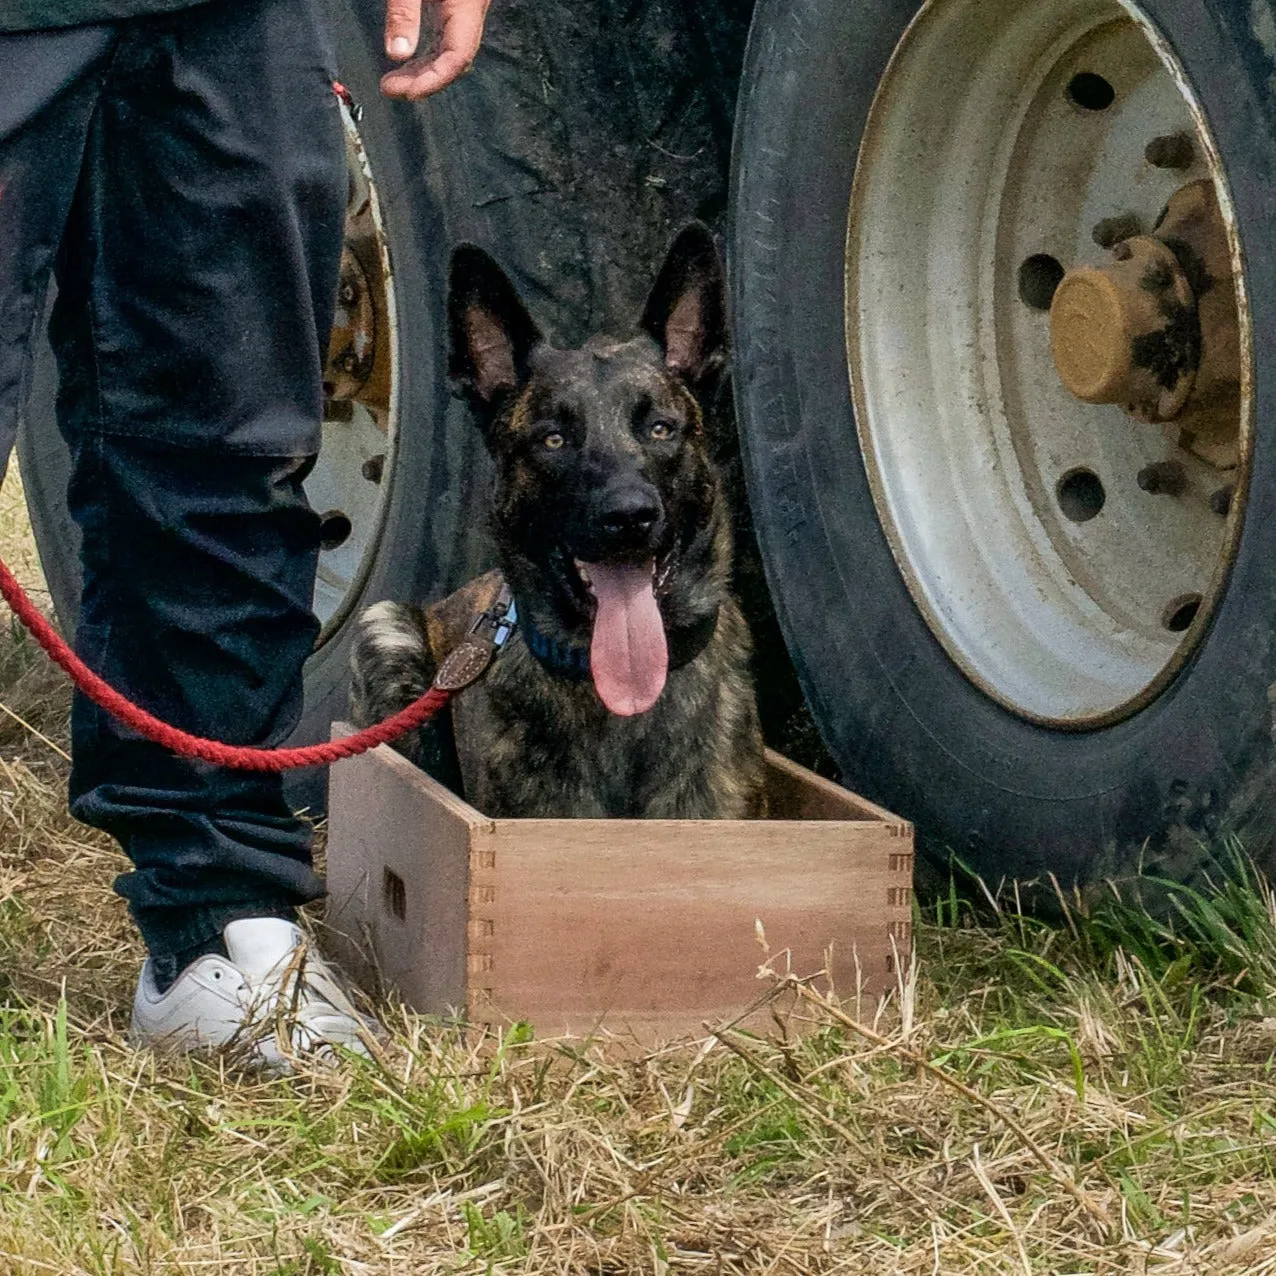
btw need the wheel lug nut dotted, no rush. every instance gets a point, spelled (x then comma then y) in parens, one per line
(1163, 478)
(1112, 230)
(373, 468)
(1172, 150)
(1221, 500)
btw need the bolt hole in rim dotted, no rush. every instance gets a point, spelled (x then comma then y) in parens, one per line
(1181, 612)
(1014, 510)
(350, 481)
(1090, 92)
(1039, 276)
(1080, 495)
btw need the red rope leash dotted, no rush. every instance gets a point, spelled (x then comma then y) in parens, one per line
(240, 757)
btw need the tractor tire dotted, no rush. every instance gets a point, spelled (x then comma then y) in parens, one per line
(1006, 786)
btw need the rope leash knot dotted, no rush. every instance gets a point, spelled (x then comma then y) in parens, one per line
(238, 757)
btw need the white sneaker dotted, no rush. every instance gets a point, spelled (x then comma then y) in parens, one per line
(273, 998)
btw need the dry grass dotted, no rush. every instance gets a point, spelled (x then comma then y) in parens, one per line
(1092, 1098)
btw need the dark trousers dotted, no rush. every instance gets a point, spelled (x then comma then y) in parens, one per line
(183, 177)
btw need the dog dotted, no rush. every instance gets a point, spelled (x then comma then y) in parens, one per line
(625, 689)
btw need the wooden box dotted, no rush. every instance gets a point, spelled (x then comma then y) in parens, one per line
(643, 927)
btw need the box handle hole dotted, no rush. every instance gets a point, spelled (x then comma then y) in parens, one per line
(394, 895)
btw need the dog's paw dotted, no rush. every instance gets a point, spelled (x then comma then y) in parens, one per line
(390, 661)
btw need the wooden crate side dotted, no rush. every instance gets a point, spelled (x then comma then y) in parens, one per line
(798, 794)
(398, 875)
(654, 923)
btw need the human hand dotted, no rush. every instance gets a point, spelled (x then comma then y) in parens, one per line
(460, 24)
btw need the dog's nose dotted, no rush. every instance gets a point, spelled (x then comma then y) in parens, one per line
(630, 512)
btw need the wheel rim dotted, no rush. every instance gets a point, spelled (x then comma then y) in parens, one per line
(1060, 586)
(352, 476)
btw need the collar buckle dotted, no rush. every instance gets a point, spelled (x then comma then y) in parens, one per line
(498, 622)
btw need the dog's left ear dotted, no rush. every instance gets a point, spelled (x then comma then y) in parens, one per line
(687, 310)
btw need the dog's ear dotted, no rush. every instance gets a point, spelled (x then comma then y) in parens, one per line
(687, 310)
(491, 332)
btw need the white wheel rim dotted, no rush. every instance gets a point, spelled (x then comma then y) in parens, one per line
(357, 455)
(974, 160)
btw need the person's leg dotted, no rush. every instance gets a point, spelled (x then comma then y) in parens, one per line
(48, 91)
(197, 284)
(196, 604)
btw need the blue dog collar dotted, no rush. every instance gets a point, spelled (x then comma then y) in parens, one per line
(565, 659)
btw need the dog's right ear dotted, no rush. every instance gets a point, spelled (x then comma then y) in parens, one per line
(492, 334)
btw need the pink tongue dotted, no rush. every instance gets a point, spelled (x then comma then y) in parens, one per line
(628, 657)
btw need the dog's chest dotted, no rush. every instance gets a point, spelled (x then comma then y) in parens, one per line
(532, 743)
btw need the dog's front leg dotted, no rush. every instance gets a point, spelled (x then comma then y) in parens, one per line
(391, 666)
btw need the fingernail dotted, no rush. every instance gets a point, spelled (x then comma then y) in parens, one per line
(400, 47)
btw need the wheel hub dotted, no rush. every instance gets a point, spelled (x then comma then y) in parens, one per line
(1135, 333)
(352, 348)
(1104, 318)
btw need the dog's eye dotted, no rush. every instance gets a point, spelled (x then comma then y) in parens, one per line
(553, 441)
(662, 430)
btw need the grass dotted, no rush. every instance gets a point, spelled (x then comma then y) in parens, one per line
(1096, 1096)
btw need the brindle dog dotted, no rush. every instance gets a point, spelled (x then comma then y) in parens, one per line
(625, 690)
